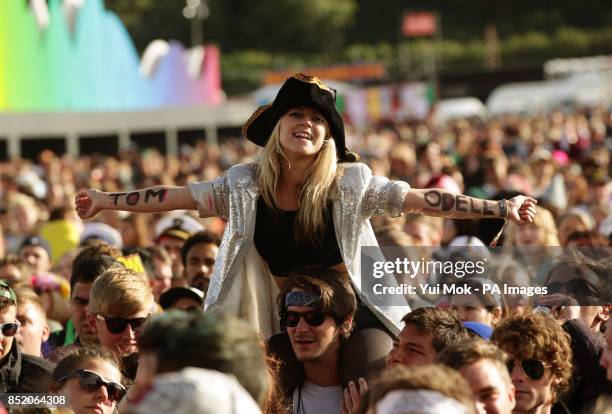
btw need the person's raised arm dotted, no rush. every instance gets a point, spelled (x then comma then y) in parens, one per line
(442, 203)
(149, 200)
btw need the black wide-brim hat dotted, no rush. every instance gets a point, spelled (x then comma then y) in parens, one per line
(300, 90)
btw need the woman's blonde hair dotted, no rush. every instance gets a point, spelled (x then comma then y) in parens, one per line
(544, 221)
(314, 191)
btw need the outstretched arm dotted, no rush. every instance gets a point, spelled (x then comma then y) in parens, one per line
(441, 203)
(149, 200)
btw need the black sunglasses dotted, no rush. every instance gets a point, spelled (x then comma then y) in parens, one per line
(118, 325)
(533, 368)
(312, 318)
(10, 328)
(90, 381)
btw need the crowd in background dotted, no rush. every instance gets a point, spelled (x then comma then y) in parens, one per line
(562, 159)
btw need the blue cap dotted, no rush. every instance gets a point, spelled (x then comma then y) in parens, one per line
(480, 329)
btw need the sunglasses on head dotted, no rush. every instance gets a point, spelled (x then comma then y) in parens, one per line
(89, 381)
(9, 329)
(312, 318)
(119, 325)
(533, 368)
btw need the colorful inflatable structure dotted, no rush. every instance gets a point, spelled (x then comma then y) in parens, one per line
(84, 60)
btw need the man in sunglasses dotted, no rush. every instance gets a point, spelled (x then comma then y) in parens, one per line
(317, 306)
(484, 366)
(540, 360)
(119, 305)
(18, 372)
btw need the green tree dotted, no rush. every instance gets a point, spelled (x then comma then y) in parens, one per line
(147, 20)
(281, 25)
(272, 25)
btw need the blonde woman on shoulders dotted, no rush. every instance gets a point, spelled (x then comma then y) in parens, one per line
(306, 201)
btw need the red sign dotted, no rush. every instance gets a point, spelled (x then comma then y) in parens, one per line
(339, 73)
(419, 24)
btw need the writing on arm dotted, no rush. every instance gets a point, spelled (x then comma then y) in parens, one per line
(445, 204)
(133, 198)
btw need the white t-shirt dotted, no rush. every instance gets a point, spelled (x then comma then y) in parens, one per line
(316, 399)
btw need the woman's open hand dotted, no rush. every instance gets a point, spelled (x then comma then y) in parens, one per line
(87, 203)
(521, 209)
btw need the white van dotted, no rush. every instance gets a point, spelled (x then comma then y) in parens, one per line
(455, 108)
(579, 89)
(524, 98)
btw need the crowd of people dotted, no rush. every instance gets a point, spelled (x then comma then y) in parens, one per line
(236, 304)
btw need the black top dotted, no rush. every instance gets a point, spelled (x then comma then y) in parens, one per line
(21, 373)
(275, 242)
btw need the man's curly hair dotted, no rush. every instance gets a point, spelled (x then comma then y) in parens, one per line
(537, 336)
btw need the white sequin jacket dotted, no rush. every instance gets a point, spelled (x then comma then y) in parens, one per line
(242, 284)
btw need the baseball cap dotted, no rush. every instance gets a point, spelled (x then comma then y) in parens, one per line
(169, 297)
(36, 241)
(480, 329)
(7, 292)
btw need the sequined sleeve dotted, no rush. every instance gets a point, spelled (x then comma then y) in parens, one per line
(211, 197)
(384, 197)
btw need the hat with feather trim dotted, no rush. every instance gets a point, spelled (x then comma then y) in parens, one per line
(299, 90)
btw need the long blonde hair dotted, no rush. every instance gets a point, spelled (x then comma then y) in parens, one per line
(314, 191)
(545, 223)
